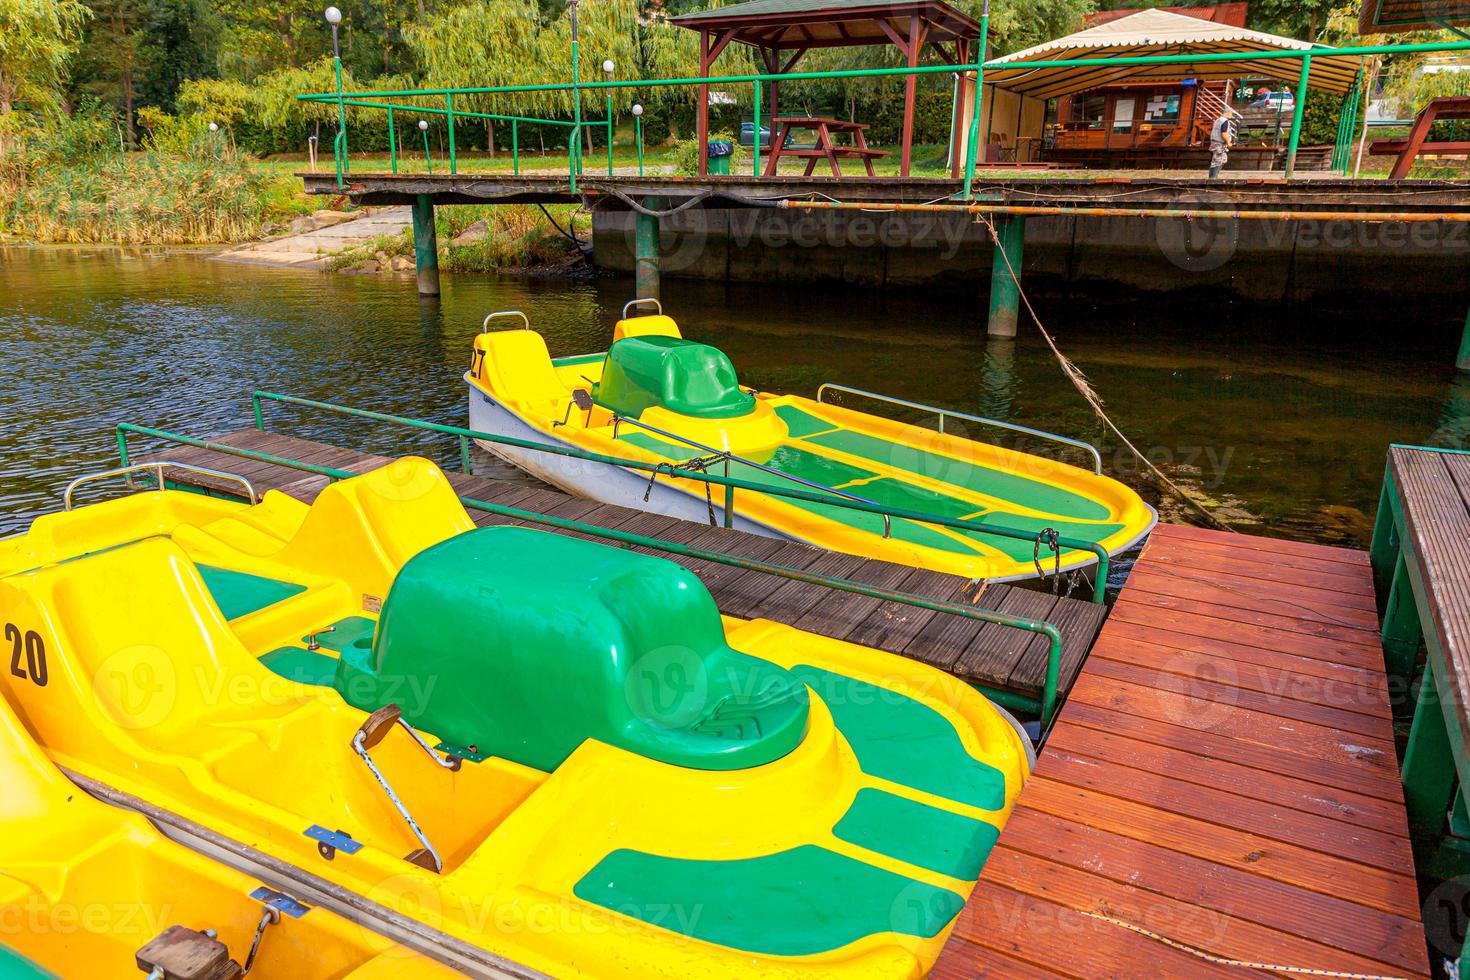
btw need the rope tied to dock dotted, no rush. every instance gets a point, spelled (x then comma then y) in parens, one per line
(1084, 388)
(1227, 961)
(699, 464)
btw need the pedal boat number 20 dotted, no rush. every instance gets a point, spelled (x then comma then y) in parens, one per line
(549, 749)
(657, 398)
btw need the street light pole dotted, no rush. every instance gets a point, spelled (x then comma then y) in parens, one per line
(607, 69)
(638, 134)
(334, 17)
(574, 151)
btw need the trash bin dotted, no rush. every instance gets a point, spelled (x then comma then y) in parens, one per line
(719, 156)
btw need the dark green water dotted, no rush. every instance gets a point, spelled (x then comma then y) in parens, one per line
(1280, 416)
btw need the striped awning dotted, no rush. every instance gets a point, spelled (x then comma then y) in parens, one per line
(1159, 32)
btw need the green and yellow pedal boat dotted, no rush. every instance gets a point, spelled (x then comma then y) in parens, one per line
(549, 750)
(89, 890)
(657, 399)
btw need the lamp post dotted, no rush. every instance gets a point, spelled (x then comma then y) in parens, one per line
(607, 69)
(638, 134)
(574, 149)
(424, 129)
(334, 17)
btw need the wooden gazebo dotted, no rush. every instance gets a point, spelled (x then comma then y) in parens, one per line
(784, 30)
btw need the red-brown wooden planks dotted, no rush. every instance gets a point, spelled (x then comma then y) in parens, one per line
(1222, 774)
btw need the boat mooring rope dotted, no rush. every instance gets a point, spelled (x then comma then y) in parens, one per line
(1084, 388)
(1226, 961)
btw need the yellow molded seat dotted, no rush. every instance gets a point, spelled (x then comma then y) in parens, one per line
(657, 325)
(516, 366)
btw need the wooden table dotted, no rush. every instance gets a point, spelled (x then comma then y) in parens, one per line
(825, 148)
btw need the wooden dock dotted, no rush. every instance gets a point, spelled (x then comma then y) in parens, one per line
(999, 657)
(1222, 777)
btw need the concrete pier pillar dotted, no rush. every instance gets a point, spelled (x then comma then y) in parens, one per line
(1005, 289)
(425, 245)
(645, 251)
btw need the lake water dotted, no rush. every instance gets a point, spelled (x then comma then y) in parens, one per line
(1279, 416)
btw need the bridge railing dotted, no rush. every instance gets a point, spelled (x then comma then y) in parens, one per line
(387, 99)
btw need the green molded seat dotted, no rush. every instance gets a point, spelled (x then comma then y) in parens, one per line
(525, 643)
(669, 372)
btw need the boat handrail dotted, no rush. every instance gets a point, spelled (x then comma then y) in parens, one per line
(158, 466)
(1045, 705)
(731, 457)
(464, 435)
(485, 325)
(639, 302)
(981, 420)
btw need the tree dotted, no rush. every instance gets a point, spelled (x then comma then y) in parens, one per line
(37, 39)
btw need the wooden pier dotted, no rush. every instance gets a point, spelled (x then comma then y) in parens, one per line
(1221, 785)
(999, 657)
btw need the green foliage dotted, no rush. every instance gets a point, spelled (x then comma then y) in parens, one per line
(141, 198)
(1320, 118)
(37, 40)
(686, 153)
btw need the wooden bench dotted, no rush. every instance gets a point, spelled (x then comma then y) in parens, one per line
(1415, 144)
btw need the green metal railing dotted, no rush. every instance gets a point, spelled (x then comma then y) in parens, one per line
(1347, 127)
(729, 483)
(979, 67)
(1044, 706)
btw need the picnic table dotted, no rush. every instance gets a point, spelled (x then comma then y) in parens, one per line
(824, 148)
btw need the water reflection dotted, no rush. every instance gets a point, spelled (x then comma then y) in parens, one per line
(1284, 414)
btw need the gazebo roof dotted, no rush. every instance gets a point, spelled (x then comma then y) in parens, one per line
(788, 24)
(1391, 16)
(1158, 32)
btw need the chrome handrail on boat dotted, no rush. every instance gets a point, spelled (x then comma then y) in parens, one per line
(729, 457)
(639, 302)
(485, 324)
(943, 412)
(158, 467)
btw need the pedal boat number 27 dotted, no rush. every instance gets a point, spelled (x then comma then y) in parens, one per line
(657, 398)
(537, 746)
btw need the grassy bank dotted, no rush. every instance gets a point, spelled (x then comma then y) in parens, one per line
(482, 238)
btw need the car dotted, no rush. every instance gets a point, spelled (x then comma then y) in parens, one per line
(1274, 100)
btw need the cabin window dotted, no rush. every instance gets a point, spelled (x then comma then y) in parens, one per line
(1089, 109)
(1123, 115)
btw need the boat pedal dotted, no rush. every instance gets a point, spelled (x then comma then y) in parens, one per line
(424, 858)
(329, 842)
(181, 953)
(373, 731)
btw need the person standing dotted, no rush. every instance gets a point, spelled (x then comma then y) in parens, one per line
(1222, 138)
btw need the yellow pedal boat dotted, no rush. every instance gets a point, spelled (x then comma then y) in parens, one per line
(656, 398)
(89, 890)
(548, 749)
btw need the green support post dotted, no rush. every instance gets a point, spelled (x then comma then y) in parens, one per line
(1296, 116)
(1402, 631)
(972, 144)
(645, 258)
(449, 112)
(425, 245)
(1462, 361)
(392, 141)
(638, 138)
(1005, 288)
(609, 134)
(515, 146)
(755, 140)
(1429, 764)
